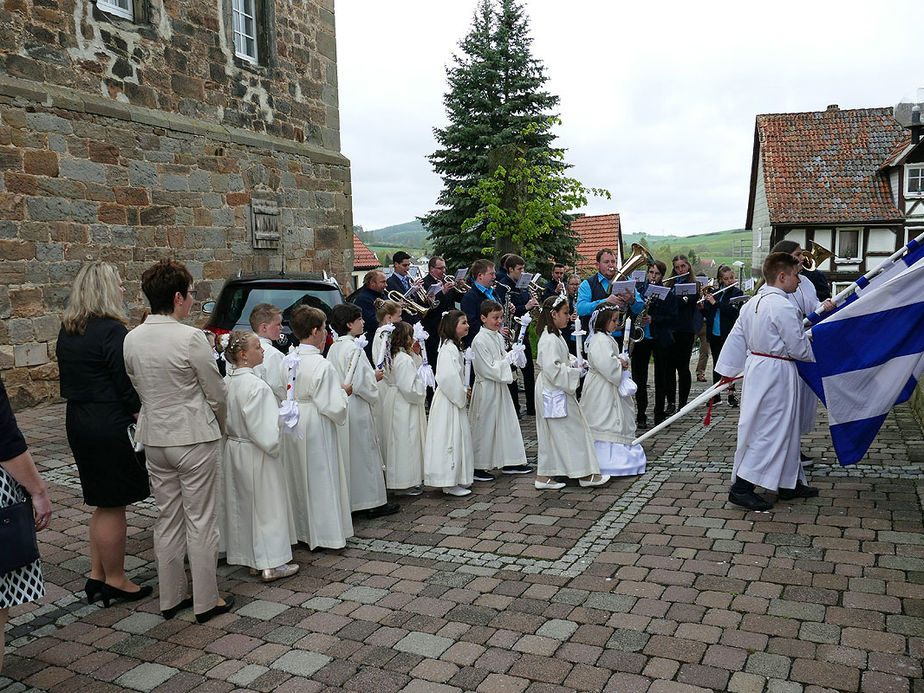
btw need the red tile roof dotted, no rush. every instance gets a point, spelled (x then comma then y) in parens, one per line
(597, 232)
(823, 166)
(363, 258)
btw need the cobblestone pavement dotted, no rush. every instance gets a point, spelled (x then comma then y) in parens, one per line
(653, 583)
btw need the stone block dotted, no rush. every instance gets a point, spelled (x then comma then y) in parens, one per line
(27, 302)
(47, 122)
(41, 163)
(30, 355)
(46, 327)
(142, 174)
(6, 356)
(137, 197)
(103, 153)
(20, 183)
(5, 307)
(84, 211)
(158, 216)
(48, 208)
(82, 170)
(12, 207)
(174, 182)
(11, 250)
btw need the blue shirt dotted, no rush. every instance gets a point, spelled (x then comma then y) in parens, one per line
(486, 290)
(585, 306)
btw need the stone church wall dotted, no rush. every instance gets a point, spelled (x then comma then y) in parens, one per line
(135, 141)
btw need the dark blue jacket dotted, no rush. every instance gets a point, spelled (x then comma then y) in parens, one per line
(728, 314)
(471, 306)
(365, 299)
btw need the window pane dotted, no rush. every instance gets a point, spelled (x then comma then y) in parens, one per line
(849, 242)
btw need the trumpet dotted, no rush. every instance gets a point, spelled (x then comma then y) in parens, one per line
(408, 305)
(451, 282)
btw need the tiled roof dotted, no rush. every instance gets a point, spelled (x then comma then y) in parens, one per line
(597, 232)
(363, 258)
(823, 166)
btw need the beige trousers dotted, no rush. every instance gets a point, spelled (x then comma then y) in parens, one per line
(703, 338)
(184, 482)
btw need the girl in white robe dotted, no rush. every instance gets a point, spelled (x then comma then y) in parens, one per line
(609, 414)
(763, 343)
(256, 527)
(405, 420)
(358, 437)
(448, 460)
(387, 313)
(496, 437)
(565, 444)
(318, 484)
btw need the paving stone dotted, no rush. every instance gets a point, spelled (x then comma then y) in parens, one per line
(261, 610)
(424, 644)
(300, 662)
(146, 676)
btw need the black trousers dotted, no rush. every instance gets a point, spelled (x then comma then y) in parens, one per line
(529, 383)
(680, 352)
(641, 357)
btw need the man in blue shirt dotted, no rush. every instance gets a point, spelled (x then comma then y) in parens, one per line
(595, 291)
(400, 281)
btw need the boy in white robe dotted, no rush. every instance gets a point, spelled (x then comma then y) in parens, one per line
(266, 322)
(496, 437)
(765, 343)
(448, 457)
(256, 528)
(319, 492)
(358, 436)
(565, 444)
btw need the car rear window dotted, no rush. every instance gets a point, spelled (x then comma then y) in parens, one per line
(242, 299)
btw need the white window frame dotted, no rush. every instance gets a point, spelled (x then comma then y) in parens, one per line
(920, 177)
(837, 249)
(241, 18)
(120, 8)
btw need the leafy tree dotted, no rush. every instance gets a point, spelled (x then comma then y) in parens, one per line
(496, 91)
(525, 205)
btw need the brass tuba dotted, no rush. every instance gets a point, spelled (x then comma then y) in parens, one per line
(639, 257)
(815, 255)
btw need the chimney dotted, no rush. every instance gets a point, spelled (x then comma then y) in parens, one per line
(832, 107)
(915, 124)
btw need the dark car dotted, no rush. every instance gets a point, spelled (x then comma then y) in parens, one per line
(241, 293)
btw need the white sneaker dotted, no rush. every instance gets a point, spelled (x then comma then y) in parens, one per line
(591, 482)
(457, 491)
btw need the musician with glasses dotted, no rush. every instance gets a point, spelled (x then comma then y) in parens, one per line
(522, 304)
(483, 275)
(442, 301)
(373, 289)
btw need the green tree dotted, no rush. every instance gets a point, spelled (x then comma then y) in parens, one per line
(496, 89)
(523, 206)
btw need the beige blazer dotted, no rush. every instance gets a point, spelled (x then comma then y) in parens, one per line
(173, 370)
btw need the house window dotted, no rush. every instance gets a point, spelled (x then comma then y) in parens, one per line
(915, 180)
(120, 8)
(848, 245)
(245, 29)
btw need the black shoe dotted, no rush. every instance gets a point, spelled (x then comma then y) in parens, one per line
(216, 610)
(659, 418)
(732, 400)
(174, 610)
(110, 593)
(800, 491)
(805, 458)
(517, 469)
(95, 589)
(670, 410)
(749, 500)
(382, 510)
(641, 423)
(481, 475)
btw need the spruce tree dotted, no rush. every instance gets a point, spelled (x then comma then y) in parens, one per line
(496, 97)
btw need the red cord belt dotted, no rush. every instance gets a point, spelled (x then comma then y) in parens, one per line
(771, 356)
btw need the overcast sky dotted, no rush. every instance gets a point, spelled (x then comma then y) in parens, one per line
(658, 99)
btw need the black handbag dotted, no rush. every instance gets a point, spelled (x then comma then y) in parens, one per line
(17, 536)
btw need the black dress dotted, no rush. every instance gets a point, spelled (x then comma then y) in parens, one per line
(100, 404)
(23, 584)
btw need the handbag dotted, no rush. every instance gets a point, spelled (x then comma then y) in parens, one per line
(137, 447)
(17, 536)
(554, 404)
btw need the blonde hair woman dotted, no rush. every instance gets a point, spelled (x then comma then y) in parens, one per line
(101, 404)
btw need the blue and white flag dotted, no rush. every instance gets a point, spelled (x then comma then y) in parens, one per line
(868, 357)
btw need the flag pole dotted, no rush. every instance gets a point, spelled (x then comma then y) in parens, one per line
(863, 281)
(706, 395)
